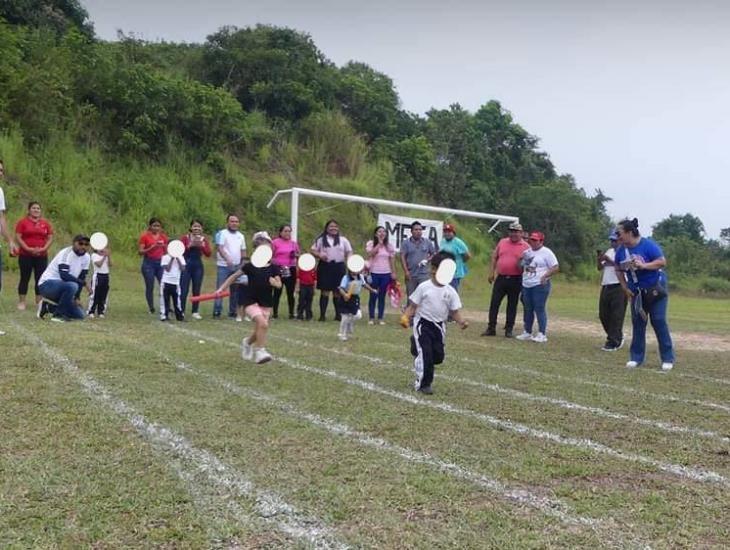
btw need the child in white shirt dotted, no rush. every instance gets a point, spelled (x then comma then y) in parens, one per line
(170, 290)
(99, 297)
(349, 289)
(431, 303)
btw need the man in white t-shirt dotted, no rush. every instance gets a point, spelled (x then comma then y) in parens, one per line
(63, 280)
(431, 304)
(4, 228)
(170, 291)
(230, 251)
(612, 303)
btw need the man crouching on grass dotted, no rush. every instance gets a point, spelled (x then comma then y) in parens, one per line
(256, 298)
(431, 304)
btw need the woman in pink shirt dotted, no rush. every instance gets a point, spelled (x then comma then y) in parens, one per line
(381, 255)
(286, 252)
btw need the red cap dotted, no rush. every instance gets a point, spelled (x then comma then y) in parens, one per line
(536, 236)
(449, 227)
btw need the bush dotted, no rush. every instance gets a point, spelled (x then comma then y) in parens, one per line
(714, 285)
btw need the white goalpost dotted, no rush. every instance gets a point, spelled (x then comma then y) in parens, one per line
(296, 192)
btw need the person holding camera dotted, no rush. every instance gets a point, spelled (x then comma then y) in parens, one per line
(612, 302)
(642, 262)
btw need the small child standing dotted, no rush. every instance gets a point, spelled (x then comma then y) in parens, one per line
(349, 289)
(257, 299)
(431, 303)
(170, 290)
(99, 297)
(307, 282)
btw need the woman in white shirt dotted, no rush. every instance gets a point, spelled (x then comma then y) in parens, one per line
(539, 264)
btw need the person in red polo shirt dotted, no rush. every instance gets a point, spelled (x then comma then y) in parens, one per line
(34, 235)
(506, 274)
(152, 247)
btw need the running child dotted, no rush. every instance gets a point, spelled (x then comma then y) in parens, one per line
(170, 289)
(349, 289)
(257, 299)
(99, 297)
(430, 306)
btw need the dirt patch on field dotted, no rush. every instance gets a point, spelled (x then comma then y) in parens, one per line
(684, 340)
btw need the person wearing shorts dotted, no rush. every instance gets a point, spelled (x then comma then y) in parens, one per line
(257, 299)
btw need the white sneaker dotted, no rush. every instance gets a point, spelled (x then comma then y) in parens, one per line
(2, 333)
(371, 322)
(101, 316)
(524, 336)
(197, 316)
(342, 336)
(239, 319)
(262, 356)
(540, 338)
(666, 367)
(90, 315)
(381, 322)
(632, 364)
(246, 350)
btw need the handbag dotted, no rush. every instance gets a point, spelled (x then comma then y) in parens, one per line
(653, 294)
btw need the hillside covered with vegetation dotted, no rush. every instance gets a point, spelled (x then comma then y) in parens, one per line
(107, 134)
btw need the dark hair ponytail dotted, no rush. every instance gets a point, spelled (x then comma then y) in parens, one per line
(630, 226)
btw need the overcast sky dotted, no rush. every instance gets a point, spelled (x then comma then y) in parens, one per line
(629, 97)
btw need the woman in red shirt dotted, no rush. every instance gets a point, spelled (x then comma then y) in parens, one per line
(34, 236)
(152, 247)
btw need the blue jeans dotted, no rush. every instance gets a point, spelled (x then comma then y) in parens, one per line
(64, 294)
(223, 273)
(380, 283)
(151, 270)
(193, 274)
(534, 300)
(657, 313)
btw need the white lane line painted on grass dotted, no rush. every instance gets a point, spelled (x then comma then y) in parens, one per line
(574, 380)
(197, 463)
(694, 474)
(517, 394)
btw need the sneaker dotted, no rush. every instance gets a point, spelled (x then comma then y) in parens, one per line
(524, 336)
(508, 334)
(609, 347)
(426, 389)
(489, 332)
(381, 322)
(632, 364)
(101, 316)
(342, 337)
(246, 349)
(262, 356)
(163, 318)
(197, 316)
(371, 322)
(239, 319)
(540, 338)
(666, 367)
(247, 318)
(216, 316)
(57, 319)
(152, 310)
(2, 333)
(90, 315)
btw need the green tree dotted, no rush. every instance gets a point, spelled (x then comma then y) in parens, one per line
(59, 15)
(277, 70)
(675, 226)
(369, 99)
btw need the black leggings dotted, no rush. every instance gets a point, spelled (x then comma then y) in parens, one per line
(289, 283)
(30, 264)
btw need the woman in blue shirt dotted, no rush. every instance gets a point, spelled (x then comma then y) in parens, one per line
(642, 260)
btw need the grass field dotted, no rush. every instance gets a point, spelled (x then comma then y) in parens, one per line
(127, 432)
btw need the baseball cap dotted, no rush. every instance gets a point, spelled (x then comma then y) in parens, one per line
(536, 236)
(450, 227)
(515, 226)
(261, 236)
(613, 235)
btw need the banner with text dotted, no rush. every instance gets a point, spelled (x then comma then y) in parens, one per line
(398, 229)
